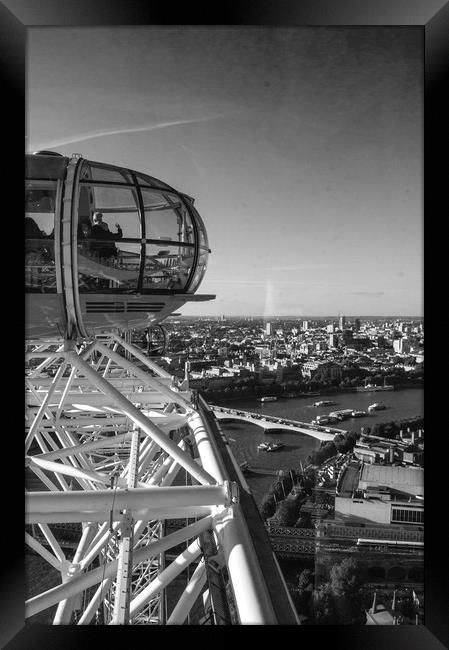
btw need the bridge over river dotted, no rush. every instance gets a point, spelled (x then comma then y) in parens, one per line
(330, 545)
(272, 422)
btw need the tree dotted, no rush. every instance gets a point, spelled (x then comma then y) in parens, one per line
(302, 592)
(407, 607)
(339, 601)
(323, 606)
(305, 521)
(340, 443)
(278, 491)
(326, 451)
(287, 482)
(305, 578)
(267, 506)
(346, 442)
(344, 577)
(288, 510)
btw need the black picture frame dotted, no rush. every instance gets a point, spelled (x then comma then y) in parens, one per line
(16, 16)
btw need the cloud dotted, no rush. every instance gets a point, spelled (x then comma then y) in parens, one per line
(82, 137)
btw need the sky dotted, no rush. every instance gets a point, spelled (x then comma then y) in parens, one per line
(301, 146)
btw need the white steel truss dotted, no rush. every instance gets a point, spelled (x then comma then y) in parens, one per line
(118, 456)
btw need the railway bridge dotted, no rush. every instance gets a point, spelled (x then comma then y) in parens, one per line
(395, 566)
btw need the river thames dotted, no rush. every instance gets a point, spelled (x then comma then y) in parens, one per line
(244, 438)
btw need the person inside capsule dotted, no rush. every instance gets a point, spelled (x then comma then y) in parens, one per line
(103, 239)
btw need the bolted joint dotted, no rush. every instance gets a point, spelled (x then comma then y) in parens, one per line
(232, 492)
(216, 562)
(69, 343)
(73, 569)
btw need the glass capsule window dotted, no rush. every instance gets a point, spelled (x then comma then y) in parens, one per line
(145, 180)
(203, 251)
(108, 174)
(131, 232)
(200, 270)
(135, 237)
(40, 207)
(163, 218)
(170, 248)
(167, 266)
(109, 234)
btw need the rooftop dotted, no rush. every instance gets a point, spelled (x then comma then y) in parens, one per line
(411, 478)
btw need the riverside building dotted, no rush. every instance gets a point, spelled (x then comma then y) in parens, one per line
(381, 494)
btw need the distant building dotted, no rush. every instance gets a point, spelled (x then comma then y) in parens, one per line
(359, 343)
(357, 324)
(374, 454)
(412, 454)
(305, 325)
(262, 351)
(342, 322)
(268, 329)
(401, 346)
(306, 348)
(333, 341)
(321, 370)
(330, 328)
(346, 336)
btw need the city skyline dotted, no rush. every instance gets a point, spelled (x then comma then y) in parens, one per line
(302, 148)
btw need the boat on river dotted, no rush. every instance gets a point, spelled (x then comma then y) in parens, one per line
(267, 399)
(377, 406)
(342, 414)
(367, 387)
(270, 446)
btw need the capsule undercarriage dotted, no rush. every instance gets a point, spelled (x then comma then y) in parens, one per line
(106, 248)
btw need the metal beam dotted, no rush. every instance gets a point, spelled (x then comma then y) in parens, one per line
(84, 581)
(139, 498)
(146, 425)
(189, 596)
(125, 561)
(191, 553)
(102, 516)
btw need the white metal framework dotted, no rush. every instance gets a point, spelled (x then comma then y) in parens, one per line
(134, 500)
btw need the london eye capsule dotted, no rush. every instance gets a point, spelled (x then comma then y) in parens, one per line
(106, 248)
